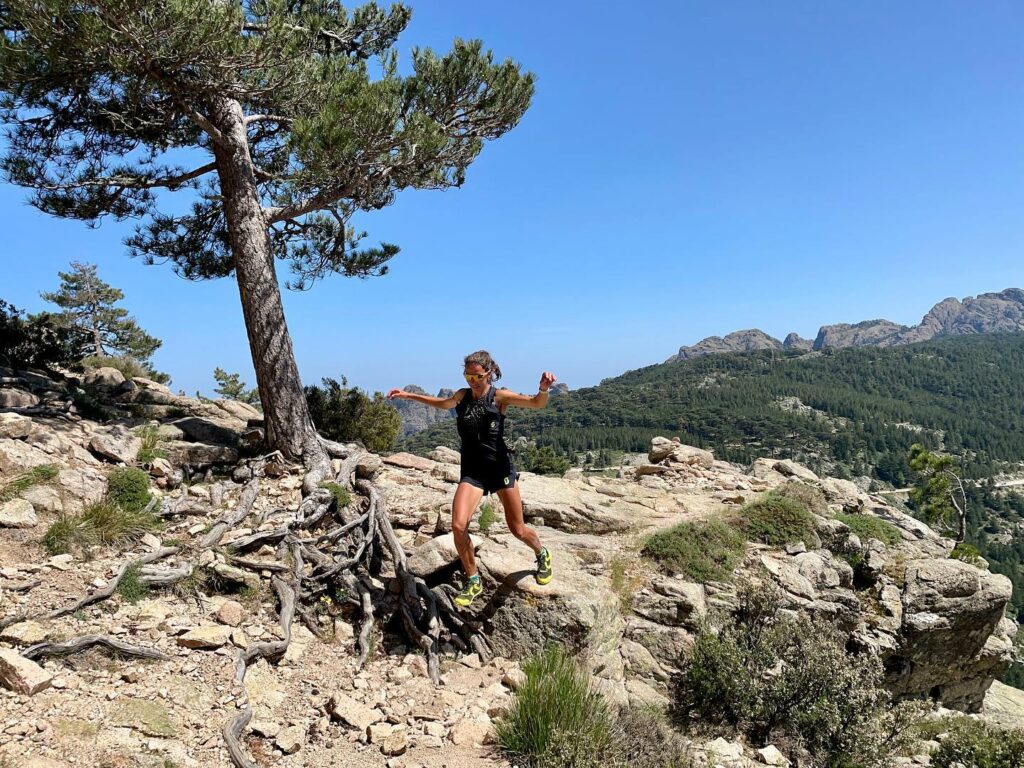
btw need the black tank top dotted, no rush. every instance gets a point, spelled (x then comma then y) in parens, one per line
(481, 426)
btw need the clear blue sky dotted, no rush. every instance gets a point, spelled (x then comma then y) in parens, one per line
(686, 169)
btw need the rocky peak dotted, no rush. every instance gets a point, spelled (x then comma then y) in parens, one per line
(866, 333)
(738, 341)
(1001, 312)
(417, 416)
(796, 341)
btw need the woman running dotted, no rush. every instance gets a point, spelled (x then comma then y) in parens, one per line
(486, 464)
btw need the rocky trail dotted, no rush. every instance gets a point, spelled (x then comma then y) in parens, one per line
(306, 629)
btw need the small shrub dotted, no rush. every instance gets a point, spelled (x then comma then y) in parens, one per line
(644, 739)
(704, 551)
(131, 587)
(40, 475)
(252, 596)
(556, 718)
(60, 536)
(542, 461)
(128, 488)
(150, 450)
(868, 527)
(809, 495)
(342, 496)
(110, 523)
(977, 744)
(488, 517)
(198, 581)
(855, 559)
(770, 676)
(102, 522)
(778, 520)
(91, 407)
(967, 552)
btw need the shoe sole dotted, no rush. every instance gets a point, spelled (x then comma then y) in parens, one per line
(542, 581)
(461, 602)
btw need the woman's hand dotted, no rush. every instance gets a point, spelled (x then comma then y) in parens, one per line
(546, 380)
(397, 394)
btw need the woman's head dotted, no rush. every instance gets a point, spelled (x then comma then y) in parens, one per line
(480, 367)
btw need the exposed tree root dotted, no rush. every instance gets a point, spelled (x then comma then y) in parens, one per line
(25, 586)
(320, 551)
(83, 643)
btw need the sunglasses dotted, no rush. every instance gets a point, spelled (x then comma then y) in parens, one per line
(476, 376)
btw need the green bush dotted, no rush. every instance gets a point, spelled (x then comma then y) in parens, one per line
(151, 449)
(542, 461)
(966, 552)
(131, 587)
(110, 523)
(104, 522)
(707, 550)
(790, 681)
(61, 535)
(645, 739)
(556, 718)
(778, 520)
(88, 405)
(868, 527)
(976, 744)
(809, 495)
(128, 488)
(342, 496)
(488, 517)
(347, 413)
(40, 475)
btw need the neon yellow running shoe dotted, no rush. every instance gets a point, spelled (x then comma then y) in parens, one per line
(473, 588)
(543, 574)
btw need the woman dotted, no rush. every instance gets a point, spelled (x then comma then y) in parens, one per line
(486, 464)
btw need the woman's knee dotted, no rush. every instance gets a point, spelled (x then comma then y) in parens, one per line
(460, 528)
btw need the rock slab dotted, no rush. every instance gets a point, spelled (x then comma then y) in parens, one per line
(22, 675)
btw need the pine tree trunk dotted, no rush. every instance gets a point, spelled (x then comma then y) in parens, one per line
(289, 427)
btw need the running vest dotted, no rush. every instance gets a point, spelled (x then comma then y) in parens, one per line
(481, 426)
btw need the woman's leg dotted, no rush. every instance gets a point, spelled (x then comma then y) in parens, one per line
(467, 496)
(512, 502)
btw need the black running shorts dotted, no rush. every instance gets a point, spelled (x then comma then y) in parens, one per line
(489, 476)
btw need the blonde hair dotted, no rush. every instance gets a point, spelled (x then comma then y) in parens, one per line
(483, 358)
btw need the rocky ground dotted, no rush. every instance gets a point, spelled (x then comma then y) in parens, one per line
(937, 622)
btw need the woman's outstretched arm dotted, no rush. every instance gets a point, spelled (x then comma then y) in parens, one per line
(444, 403)
(506, 397)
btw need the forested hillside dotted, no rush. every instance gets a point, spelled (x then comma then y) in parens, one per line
(852, 411)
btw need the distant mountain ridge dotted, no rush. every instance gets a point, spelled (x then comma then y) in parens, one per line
(1001, 312)
(417, 416)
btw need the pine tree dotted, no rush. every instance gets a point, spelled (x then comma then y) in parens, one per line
(231, 386)
(293, 118)
(938, 493)
(87, 304)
